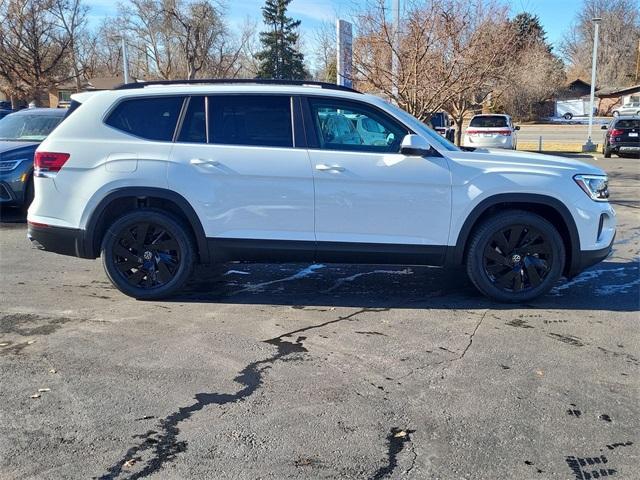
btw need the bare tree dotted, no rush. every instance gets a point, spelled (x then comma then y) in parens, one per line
(72, 17)
(33, 48)
(325, 53)
(448, 52)
(619, 36)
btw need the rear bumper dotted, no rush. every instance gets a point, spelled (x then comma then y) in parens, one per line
(62, 240)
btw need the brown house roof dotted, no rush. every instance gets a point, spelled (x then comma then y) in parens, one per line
(607, 92)
(96, 83)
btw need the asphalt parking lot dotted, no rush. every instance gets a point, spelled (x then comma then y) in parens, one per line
(320, 371)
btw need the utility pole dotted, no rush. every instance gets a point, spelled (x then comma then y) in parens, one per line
(395, 63)
(638, 63)
(590, 146)
(125, 61)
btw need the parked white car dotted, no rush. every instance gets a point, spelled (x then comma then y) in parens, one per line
(631, 108)
(157, 178)
(491, 131)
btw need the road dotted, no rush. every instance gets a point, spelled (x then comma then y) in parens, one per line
(318, 371)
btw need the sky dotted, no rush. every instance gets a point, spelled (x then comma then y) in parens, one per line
(556, 16)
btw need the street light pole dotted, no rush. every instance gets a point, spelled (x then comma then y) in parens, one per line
(125, 60)
(590, 146)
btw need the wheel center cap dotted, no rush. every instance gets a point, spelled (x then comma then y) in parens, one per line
(148, 255)
(516, 258)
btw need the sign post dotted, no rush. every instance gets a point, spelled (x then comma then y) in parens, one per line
(345, 53)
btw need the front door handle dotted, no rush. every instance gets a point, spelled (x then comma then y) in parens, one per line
(202, 161)
(327, 168)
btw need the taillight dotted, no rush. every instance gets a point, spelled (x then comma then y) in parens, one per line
(616, 132)
(48, 162)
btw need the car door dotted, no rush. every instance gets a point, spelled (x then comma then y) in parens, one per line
(371, 199)
(237, 161)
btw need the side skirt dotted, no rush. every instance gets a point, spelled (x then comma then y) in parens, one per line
(240, 249)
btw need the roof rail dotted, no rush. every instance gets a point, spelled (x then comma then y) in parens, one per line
(231, 81)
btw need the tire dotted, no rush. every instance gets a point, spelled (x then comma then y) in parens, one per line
(28, 196)
(532, 262)
(567, 116)
(606, 152)
(616, 113)
(160, 263)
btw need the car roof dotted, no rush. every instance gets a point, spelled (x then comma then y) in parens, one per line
(230, 88)
(627, 117)
(491, 115)
(42, 111)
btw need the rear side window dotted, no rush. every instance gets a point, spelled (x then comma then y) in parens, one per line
(194, 126)
(255, 120)
(628, 123)
(151, 118)
(489, 121)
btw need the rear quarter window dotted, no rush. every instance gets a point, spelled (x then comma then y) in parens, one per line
(150, 118)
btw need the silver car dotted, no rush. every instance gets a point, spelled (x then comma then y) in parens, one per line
(491, 131)
(631, 108)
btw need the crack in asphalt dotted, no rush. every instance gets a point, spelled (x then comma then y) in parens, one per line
(164, 445)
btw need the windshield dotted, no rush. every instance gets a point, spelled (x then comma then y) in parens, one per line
(433, 137)
(490, 121)
(27, 127)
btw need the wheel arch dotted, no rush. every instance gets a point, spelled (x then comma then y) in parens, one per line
(125, 199)
(547, 207)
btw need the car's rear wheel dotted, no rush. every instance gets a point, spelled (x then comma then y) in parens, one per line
(148, 254)
(567, 116)
(606, 151)
(515, 256)
(616, 114)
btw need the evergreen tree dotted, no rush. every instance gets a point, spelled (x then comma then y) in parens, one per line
(529, 31)
(279, 58)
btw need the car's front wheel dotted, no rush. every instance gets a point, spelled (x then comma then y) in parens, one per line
(515, 256)
(148, 254)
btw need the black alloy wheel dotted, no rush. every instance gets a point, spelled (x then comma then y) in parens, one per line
(517, 258)
(148, 254)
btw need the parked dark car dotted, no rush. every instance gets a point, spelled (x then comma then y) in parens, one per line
(441, 123)
(20, 134)
(622, 137)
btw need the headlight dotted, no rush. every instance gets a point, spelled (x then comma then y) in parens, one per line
(8, 165)
(596, 186)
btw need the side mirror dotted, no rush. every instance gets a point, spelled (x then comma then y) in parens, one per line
(517, 127)
(604, 127)
(414, 145)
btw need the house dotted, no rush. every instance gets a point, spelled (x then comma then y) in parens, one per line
(575, 89)
(612, 97)
(60, 95)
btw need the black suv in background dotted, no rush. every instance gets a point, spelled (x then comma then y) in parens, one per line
(441, 123)
(622, 137)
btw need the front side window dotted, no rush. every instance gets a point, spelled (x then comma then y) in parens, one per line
(151, 118)
(253, 120)
(343, 125)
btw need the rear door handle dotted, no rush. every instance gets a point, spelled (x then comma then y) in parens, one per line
(326, 168)
(202, 161)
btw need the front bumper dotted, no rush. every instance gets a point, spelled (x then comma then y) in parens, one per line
(588, 258)
(13, 184)
(62, 240)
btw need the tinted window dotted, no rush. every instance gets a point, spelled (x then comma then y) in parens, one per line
(490, 121)
(150, 118)
(352, 126)
(257, 120)
(194, 124)
(628, 123)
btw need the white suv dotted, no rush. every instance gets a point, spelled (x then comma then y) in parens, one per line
(155, 178)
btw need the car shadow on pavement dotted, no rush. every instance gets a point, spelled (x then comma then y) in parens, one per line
(610, 286)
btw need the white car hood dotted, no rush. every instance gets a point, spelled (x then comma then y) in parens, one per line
(508, 161)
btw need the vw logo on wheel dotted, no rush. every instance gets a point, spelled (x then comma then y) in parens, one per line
(148, 255)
